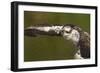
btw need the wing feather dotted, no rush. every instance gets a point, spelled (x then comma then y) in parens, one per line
(42, 30)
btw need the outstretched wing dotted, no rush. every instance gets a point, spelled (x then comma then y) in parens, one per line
(43, 30)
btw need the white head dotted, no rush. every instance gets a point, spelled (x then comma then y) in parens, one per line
(70, 33)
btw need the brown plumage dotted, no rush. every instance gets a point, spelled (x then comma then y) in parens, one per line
(81, 40)
(84, 43)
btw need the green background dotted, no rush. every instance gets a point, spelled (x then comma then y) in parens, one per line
(45, 48)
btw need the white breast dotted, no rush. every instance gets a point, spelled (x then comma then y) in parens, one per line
(75, 36)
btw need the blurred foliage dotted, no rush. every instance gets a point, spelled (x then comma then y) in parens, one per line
(47, 47)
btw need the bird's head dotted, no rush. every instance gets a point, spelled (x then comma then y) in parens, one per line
(70, 32)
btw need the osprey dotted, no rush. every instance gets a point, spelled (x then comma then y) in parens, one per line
(80, 38)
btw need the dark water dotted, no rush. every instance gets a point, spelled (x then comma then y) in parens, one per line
(47, 47)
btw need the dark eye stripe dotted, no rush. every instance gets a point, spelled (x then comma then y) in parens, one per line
(69, 31)
(66, 31)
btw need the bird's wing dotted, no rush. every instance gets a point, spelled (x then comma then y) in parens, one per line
(84, 45)
(43, 30)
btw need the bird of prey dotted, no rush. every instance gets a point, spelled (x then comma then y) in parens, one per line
(80, 38)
